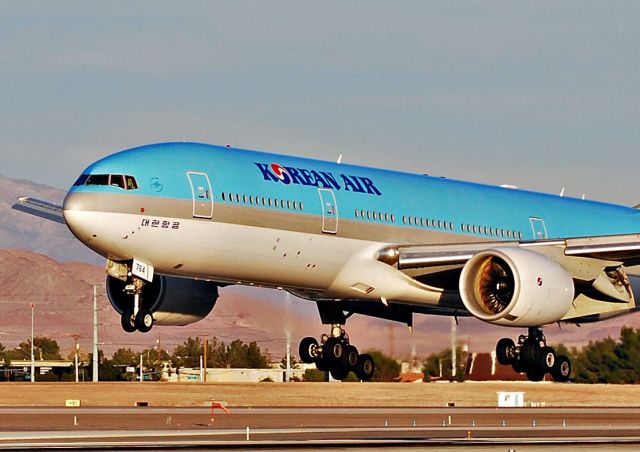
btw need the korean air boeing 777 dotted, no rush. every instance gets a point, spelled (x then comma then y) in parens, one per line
(176, 221)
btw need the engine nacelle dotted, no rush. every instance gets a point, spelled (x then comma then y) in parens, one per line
(516, 287)
(173, 301)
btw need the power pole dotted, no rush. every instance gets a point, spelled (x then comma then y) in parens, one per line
(288, 374)
(206, 346)
(95, 333)
(33, 364)
(453, 348)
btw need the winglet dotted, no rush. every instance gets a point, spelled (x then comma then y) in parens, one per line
(40, 209)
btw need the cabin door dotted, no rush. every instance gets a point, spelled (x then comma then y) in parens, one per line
(202, 194)
(539, 228)
(329, 211)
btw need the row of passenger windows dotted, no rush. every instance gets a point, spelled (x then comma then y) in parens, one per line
(262, 201)
(428, 223)
(439, 224)
(494, 232)
(114, 180)
(375, 216)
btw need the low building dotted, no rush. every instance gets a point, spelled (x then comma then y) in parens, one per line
(20, 370)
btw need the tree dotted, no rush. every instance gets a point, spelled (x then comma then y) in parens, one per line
(188, 353)
(610, 361)
(386, 368)
(436, 362)
(125, 357)
(43, 348)
(313, 375)
(237, 354)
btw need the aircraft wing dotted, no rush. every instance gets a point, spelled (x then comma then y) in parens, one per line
(40, 209)
(623, 249)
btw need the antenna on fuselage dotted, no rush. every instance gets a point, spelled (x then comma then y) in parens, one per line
(562, 192)
(339, 161)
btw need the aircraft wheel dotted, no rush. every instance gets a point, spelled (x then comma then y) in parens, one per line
(365, 367)
(535, 374)
(504, 350)
(547, 359)
(349, 358)
(518, 366)
(530, 353)
(144, 320)
(562, 369)
(127, 320)
(321, 364)
(339, 373)
(308, 350)
(332, 350)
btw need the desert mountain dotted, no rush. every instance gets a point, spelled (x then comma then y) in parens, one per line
(19, 230)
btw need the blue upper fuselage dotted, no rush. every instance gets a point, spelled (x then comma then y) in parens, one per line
(472, 209)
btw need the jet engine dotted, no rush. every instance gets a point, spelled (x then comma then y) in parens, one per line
(173, 301)
(516, 287)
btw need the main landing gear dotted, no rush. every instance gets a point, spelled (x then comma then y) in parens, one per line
(532, 356)
(138, 318)
(335, 354)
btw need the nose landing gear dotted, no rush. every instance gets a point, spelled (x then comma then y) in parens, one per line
(138, 318)
(532, 356)
(335, 354)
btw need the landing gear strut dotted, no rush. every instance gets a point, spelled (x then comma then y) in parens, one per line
(532, 356)
(336, 354)
(138, 318)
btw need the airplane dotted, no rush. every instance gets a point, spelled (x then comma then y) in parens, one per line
(177, 221)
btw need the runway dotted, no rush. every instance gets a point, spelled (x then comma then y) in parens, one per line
(417, 428)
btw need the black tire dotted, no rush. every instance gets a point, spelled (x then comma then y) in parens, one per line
(365, 367)
(561, 371)
(518, 367)
(322, 364)
(349, 358)
(504, 351)
(535, 374)
(530, 353)
(547, 359)
(332, 350)
(308, 350)
(144, 320)
(127, 320)
(339, 373)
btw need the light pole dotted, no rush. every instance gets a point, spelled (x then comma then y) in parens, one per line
(33, 364)
(77, 375)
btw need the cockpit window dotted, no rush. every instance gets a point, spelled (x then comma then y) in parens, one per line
(81, 180)
(97, 179)
(131, 183)
(114, 180)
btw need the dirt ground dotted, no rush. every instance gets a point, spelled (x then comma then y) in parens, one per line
(314, 394)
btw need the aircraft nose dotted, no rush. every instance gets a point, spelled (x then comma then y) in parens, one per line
(76, 211)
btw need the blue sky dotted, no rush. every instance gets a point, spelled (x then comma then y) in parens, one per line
(539, 94)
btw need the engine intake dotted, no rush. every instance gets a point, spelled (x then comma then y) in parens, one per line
(173, 301)
(516, 287)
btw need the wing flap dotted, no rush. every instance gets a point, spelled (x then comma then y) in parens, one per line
(40, 209)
